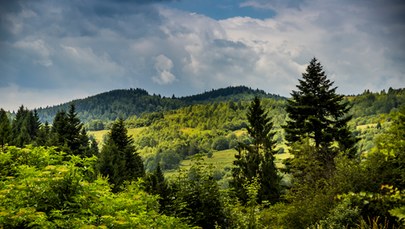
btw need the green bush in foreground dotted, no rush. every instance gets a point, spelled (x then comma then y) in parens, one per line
(51, 193)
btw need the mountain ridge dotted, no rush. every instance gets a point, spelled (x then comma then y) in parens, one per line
(123, 103)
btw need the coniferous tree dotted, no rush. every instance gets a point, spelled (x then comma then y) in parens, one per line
(318, 115)
(5, 129)
(157, 185)
(33, 124)
(69, 134)
(44, 134)
(74, 135)
(58, 131)
(118, 158)
(256, 160)
(25, 127)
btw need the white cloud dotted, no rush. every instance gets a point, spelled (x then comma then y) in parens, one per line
(163, 67)
(102, 47)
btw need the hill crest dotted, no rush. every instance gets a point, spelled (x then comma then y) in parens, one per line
(123, 103)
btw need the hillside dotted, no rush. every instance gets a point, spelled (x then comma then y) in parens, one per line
(168, 137)
(127, 102)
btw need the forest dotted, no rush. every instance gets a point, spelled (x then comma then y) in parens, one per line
(227, 158)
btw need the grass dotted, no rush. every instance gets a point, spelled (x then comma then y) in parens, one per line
(99, 134)
(363, 127)
(222, 160)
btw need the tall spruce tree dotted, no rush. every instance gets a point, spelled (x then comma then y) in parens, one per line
(156, 184)
(118, 159)
(74, 132)
(58, 133)
(69, 134)
(256, 160)
(44, 134)
(5, 129)
(318, 117)
(25, 127)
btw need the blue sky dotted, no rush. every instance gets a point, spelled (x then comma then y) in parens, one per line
(55, 51)
(221, 9)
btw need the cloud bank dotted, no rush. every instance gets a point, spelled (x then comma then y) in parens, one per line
(54, 51)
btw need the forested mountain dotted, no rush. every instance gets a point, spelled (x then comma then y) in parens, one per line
(95, 111)
(123, 103)
(369, 103)
(292, 164)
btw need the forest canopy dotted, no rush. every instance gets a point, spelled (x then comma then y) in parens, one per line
(227, 158)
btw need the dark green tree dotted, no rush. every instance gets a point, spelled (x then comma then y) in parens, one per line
(5, 128)
(316, 112)
(44, 134)
(118, 158)
(94, 150)
(157, 185)
(256, 160)
(69, 134)
(25, 127)
(74, 133)
(33, 124)
(197, 197)
(58, 131)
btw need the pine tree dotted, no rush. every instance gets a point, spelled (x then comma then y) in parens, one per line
(318, 114)
(118, 158)
(73, 132)
(68, 133)
(58, 131)
(33, 124)
(25, 127)
(5, 129)
(256, 160)
(44, 134)
(157, 185)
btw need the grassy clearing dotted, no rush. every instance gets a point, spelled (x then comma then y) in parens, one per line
(222, 160)
(99, 134)
(367, 126)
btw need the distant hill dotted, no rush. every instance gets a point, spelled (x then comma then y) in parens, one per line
(229, 93)
(123, 103)
(374, 103)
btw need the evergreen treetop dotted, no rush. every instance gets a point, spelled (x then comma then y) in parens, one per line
(317, 112)
(256, 160)
(118, 159)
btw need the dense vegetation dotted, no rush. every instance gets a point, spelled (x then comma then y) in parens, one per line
(344, 166)
(103, 108)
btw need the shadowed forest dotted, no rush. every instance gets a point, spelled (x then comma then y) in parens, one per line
(227, 158)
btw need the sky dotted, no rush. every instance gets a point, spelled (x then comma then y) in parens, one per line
(54, 51)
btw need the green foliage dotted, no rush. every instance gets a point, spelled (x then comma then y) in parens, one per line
(156, 184)
(197, 198)
(46, 192)
(5, 129)
(368, 103)
(317, 112)
(118, 160)
(68, 134)
(25, 127)
(45, 187)
(115, 104)
(256, 161)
